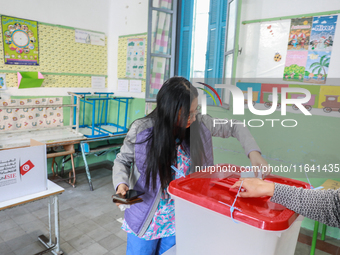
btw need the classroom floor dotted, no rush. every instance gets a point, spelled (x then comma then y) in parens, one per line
(88, 223)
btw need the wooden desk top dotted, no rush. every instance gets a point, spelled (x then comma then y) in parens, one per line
(51, 137)
(52, 189)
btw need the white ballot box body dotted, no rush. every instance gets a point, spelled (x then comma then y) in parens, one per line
(205, 223)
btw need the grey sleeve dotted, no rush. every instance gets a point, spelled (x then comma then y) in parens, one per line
(225, 128)
(319, 205)
(125, 159)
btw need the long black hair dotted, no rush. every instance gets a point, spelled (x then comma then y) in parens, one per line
(170, 118)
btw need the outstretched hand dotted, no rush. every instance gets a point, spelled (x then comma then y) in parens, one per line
(254, 187)
(257, 160)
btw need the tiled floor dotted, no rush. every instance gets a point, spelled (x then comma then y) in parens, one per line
(88, 222)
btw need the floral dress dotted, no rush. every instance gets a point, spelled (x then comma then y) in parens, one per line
(163, 222)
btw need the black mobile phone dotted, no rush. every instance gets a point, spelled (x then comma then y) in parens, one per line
(130, 195)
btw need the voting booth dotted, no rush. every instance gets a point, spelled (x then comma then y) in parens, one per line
(205, 224)
(23, 171)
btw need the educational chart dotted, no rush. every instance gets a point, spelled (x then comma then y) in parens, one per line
(135, 58)
(38, 117)
(20, 37)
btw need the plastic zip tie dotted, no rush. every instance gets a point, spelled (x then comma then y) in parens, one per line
(232, 208)
(178, 171)
(311, 186)
(238, 209)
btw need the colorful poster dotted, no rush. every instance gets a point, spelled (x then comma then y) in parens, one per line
(323, 31)
(20, 37)
(300, 30)
(295, 65)
(317, 67)
(135, 58)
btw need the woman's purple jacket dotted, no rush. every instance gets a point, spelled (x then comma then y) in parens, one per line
(129, 167)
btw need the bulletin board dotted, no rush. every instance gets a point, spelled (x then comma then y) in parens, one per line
(122, 56)
(62, 61)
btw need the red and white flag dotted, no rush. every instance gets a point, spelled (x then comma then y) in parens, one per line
(26, 167)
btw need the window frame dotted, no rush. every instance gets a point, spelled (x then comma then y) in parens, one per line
(170, 56)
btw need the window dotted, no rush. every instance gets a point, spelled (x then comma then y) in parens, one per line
(231, 36)
(161, 45)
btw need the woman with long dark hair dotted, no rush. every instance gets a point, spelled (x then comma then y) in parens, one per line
(165, 145)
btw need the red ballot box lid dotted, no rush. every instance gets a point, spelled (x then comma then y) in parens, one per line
(212, 191)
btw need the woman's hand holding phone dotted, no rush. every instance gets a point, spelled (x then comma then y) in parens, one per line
(122, 189)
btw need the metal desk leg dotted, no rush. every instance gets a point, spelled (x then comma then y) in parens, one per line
(52, 247)
(56, 227)
(49, 222)
(86, 165)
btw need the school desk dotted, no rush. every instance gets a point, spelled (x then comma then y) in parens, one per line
(52, 192)
(89, 147)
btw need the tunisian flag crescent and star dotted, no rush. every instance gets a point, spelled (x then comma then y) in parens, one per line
(25, 168)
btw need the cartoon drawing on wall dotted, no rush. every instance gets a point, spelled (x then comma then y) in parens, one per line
(308, 105)
(299, 35)
(313, 102)
(20, 36)
(322, 34)
(295, 65)
(268, 99)
(277, 57)
(255, 96)
(331, 103)
(329, 99)
(317, 67)
(256, 88)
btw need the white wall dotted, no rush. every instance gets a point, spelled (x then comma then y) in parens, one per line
(253, 49)
(86, 14)
(125, 17)
(263, 9)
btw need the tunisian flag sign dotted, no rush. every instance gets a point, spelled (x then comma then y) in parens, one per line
(25, 168)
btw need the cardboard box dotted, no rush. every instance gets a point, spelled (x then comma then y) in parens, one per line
(23, 171)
